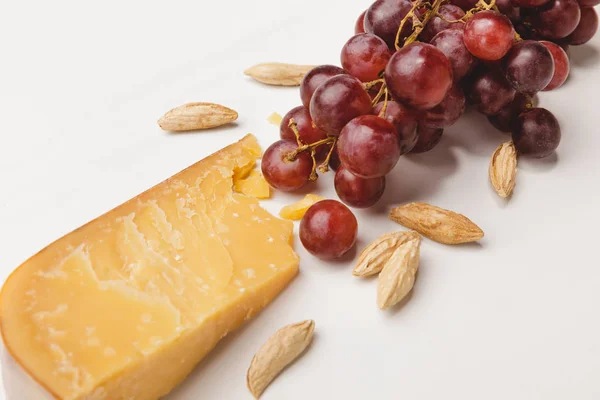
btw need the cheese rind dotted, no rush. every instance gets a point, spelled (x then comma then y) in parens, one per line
(126, 306)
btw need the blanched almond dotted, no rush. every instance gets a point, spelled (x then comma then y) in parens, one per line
(279, 74)
(193, 116)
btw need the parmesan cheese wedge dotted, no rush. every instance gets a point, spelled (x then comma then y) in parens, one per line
(125, 306)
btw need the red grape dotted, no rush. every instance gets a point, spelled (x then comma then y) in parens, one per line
(510, 9)
(489, 35)
(529, 3)
(368, 146)
(334, 160)
(490, 92)
(429, 137)
(314, 78)
(383, 19)
(587, 27)
(356, 191)
(282, 173)
(436, 24)
(588, 3)
(419, 75)
(365, 56)
(504, 120)
(561, 65)
(337, 101)
(328, 229)
(451, 43)
(557, 19)
(404, 119)
(360, 23)
(536, 133)
(448, 111)
(464, 4)
(308, 131)
(529, 66)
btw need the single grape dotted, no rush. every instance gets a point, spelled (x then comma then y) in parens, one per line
(365, 56)
(404, 119)
(356, 191)
(308, 131)
(587, 27)
(368, 146)
(448, 111)
(536, 133)
(314, 78)
(282, 173)
(556, 19)
(437, 24)
(328, 229)
(429, 137)
(510, 9)
(561, 65)
(419, 75)
(588, 3)
(383, 19)
(466, 5)
(489, 92)
(334, 160)
(451, 43)
(337, 101)
(529, 66)
(489, 35)
(529, 3)
(359, 27)
(504, 120)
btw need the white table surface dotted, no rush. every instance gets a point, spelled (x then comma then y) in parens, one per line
(514, 317)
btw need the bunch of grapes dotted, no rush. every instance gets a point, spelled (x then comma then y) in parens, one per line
(408, 73)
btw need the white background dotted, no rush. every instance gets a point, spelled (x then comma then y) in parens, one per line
(514, 317)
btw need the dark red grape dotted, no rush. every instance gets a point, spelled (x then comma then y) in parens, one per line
(328, 229)
(436, 24)
(365, 56)
(356, 191)
(561, 65)
(337, 101)
(368, 146)
(588, 3)
(309, 133)
(587, 27)
(451, 43)
(282, 173)
(529, 3)
(419, 75)
(504, 120)
(404, 119)
(557, 19)
(359, 27)
(529, 66)
(448, 111)
(536, 133)
(334, 160)
(490, 92)
(429, 137)
(510, 9)
(383, 19)
(466, 5)
(314, 78)
(489, 35)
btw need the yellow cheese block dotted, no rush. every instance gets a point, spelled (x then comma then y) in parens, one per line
(296, 211)
(125, 306)
(254, 185)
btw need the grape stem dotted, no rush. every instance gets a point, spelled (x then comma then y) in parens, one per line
(324, 167)
(385, 105)
(369, 85)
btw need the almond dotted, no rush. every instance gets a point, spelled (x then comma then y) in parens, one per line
(374, 256)
(437, 224)
(397, 278)
(193, 116)
(279, 74)
(278, 352)
(503, 169)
